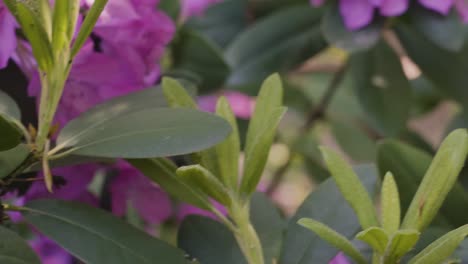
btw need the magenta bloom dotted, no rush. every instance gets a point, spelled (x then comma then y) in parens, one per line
(359, 13)
(7, 35)
(241, 104)
(339, 259)
(49, 252)
(132, 188)
(195, 7)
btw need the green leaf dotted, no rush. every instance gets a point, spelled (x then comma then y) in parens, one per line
(336, 33)
(195, 53)
(381, 85)
(210, 242)
(257, 150)
(11, 135)
(326, 205)
(438, 181)
(351, 188)
(375, 237)
(118, 132)
(64, 22)
(8, 107)
(441, 249)
(228, 151)
(163, 172)
(447, 32)
(88, 25)
(176, 95)
(171, 8)
(98, 237)
(14, 249)
(201, 178)
(37, 36)
(279, 42)
(222, 21)
(444, 68)
(334, 238)
(390, 205)
(401, 242)
(11, 159)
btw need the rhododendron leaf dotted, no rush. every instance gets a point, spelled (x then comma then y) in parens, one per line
(447, 32)
(211, 242)
(441, 249)
(171, 8)
(195, 53)
(10, 134)
(163, 172)
(279, 42)
(334, 238)
(375, 237)
(326, 205)
(351, 188)
(88, 25)
(98, 236)
(390, 205)
(118, 132)
(337, 34)
(438, 181)
(15, 250)
(400, 243)
(176, 95)
(9, 107)
(409, 165)
(381, 84)
(198, 177)
(37, 36)
(228, 151)
(11, 159)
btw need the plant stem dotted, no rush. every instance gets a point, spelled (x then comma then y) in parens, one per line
(246, 235)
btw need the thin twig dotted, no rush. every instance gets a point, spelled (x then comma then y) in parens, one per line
(314, 115)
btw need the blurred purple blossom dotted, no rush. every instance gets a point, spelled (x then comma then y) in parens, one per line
(195, 7)
(359, 13)
(340, 259)
(49, 252)
(241, 104)
(7, 35)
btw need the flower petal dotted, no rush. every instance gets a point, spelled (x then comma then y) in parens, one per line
(356, 13)
(440, 6)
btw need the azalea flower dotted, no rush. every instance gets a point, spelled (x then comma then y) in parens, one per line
(7, 35)
(242, 105)
(192, 8)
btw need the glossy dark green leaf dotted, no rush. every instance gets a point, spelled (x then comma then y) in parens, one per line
(14, 249)
(337, 34)
(8, 107)
(277, 43)
(408, 165)
(127, 129)
(11, 159)
(171, 8)
(381, 86)
(446, 31)
(327, 205)
(210, 242)
(222, 21)
(444, 68)
(10, 134)
(97, 237)
(196, 53)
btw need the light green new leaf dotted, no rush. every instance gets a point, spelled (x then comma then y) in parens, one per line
(37, 36)
(14, 249)
(375, 237)
(227, 152)
(88, 25)
(95, 236)
(257, 150)
(334, 238)
(438, 181)
(390, 204)
(351, 188)
(163, 172)
(201, 178)
(400, 243)
(64, 23)
(441, 249)
(176, 95)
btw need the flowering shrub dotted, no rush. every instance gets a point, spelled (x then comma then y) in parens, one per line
(155, 131)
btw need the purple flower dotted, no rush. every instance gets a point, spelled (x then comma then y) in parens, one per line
(241, 104)
(339, 259)
(49, 252)
(185, 210)
(195, 7)
(7, 35)
(130, 187)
